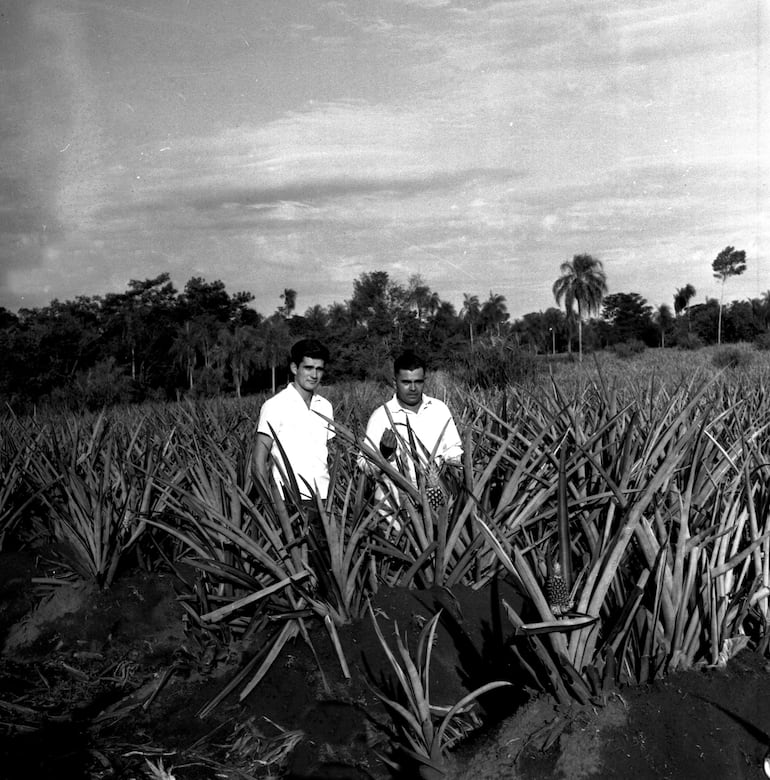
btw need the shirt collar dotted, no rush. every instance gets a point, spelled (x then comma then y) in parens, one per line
(394, 406)
(314, 399)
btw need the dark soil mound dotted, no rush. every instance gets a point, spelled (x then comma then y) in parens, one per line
(94, 684)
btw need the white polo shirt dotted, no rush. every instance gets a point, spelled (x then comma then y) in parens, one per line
(431, 424)
(304, 436)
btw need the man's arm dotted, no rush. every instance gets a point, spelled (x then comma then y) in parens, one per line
(262, 456)
(375, 430)
(451, 448)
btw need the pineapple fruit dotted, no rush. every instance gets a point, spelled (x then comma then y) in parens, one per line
(557, 593)
(433, 489)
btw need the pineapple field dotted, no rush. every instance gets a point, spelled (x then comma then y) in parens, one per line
(587, 596)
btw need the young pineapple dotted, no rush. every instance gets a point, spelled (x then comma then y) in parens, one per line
(433, 489)
(557, 593)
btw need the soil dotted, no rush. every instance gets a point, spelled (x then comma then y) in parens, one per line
(108, 684)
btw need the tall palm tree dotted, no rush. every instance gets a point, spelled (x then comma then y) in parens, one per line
(582, 282)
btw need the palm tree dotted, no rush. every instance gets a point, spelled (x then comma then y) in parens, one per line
(471, 312)
(339, 317)
(584, 282)
(494, 312)
(682, 298)
(317, 320)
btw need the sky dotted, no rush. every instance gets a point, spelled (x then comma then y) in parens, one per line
(286, 143)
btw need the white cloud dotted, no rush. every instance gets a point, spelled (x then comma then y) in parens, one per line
(479, 145)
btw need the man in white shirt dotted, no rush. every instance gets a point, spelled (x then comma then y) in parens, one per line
(297, 418)
(429, 420)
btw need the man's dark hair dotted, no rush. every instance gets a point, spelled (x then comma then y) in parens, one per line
(310, 348)
(408, 361)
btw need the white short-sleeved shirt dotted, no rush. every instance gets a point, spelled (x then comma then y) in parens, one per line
(432, 424)
(304, 435)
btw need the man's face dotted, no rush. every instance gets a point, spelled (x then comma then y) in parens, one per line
(409, 386)
(308, 374)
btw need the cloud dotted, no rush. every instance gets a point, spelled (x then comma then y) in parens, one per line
(478, 144)
(428, 4)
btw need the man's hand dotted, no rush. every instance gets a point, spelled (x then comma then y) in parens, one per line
(388, 444)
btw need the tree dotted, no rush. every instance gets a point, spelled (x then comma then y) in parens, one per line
(682, 298)
(314, 323)
(538, 330)
(370, 305)
(704, 318)
(274, 339)
(471, 313)
(211, 298)
(762, 310)
(740, 322)
(494, 312)
(664, 319)
(150, 320)
(582, 282)
(7, 318)
(729, 262)
(289, 298)
(240, 349)
(434, 304)
(418, 296)
(629, 317)
(48, 347)
(197, 336)
(445, 333)
(205, 327)
(185, 350)
(139, 327)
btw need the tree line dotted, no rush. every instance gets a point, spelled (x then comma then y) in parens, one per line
(153, 342)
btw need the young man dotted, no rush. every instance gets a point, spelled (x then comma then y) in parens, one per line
(429, 420)
(295, 417)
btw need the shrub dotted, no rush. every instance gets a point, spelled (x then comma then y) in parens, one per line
(104, 384)
(762, 341)
(689, 341)
(627, 349)
(733, 356)
(496, 365)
